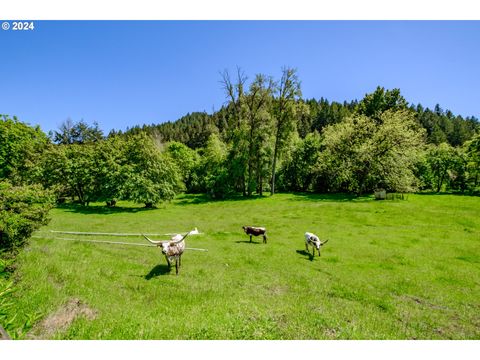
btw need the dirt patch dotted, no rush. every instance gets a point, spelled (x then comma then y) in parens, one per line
(278, 290)
(62, 319)
(331, 333)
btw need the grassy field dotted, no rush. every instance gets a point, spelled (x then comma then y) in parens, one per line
(405, 269)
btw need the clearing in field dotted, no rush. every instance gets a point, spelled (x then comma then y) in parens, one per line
(405, 269)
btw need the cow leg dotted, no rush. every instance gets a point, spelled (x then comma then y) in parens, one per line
(168, 262)
(250, 238)
(306, 247)
(176, 266)
(264, 239)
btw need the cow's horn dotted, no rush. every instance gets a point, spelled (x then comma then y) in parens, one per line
(325, 242)
(172, 241)
(153, 242)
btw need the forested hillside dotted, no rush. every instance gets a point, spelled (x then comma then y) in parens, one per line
(195, 128)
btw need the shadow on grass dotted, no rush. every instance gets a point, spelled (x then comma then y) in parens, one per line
(456, 193)
(248, 242)
(100, 209)
(158, 270)
(306, 253)
(196, 199)
(331, 197)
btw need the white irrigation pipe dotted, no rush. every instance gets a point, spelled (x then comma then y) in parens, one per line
(111, 242)
(113, 234)
(196, 249)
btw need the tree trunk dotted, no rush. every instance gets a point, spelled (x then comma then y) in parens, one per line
(244, 190)
(250, 178)
(274, 165)
(260, 182)
(79, 192)
(439, 185)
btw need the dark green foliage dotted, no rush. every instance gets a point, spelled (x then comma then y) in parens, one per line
(298, 172)
(381, 100)
(324, 113)
(192, 129)
(130, 167)
(473, 156)
(445, 127)
(72, 171)
(186, 161)
(150, 177)
(445, 167)
(23, 209)
(21, 147)
(213, 173)
(80, 132)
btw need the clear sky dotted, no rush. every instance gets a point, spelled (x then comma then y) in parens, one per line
(124, 73)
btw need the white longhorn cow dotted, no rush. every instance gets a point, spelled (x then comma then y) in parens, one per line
(314, 241)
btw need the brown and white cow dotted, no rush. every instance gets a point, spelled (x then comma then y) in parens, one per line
(255, 231)
(172, 249)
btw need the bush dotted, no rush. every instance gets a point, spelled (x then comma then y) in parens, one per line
(23, 209)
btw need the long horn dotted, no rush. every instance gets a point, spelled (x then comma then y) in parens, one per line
(325, 242)
(183, 238)
(153, 242)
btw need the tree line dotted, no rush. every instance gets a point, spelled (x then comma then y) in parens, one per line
(267, 137)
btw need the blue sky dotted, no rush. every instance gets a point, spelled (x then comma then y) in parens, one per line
(123, 73)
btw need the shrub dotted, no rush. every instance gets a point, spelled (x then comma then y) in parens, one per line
(23, 209)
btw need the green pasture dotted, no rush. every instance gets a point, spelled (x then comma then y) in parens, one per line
(403, 269)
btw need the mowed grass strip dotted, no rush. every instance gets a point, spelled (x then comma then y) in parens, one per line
(406, 269)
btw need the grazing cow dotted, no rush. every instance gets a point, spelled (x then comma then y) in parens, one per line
(255, 231)
(172, 249)
(111, 203)
(312, 239)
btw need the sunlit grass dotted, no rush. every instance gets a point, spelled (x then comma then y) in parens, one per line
(391, 270)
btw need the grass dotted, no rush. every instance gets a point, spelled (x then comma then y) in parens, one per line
(391, 270)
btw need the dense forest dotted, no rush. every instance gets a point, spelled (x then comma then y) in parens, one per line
(194, 129)
(266, 138)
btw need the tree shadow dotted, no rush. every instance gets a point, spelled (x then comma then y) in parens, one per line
(100, 209)
(337, 197)
(306, 253)
(196, 199)
(158, 270)
(456, 193)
